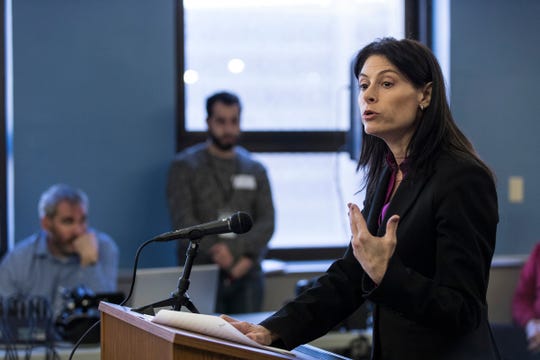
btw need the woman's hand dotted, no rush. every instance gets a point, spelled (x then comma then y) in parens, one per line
(372, 252)
(257, 333)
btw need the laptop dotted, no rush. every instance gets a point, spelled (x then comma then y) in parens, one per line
(155, 284)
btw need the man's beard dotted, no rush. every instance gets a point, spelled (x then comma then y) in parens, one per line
(220, 144)
(65, 248)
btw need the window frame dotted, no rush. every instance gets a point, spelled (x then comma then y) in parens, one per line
(3, 139)
(418, 25)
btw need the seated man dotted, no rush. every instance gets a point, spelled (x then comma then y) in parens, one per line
(64, 254)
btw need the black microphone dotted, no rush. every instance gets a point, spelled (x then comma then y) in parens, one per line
(237, 223)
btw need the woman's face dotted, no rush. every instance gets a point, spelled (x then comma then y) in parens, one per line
(389, 103)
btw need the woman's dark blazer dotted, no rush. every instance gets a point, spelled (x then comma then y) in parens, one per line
(431, 302)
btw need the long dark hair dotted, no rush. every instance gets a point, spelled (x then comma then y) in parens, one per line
(436, 130)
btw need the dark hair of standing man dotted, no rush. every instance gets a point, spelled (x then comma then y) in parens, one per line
(224, 97)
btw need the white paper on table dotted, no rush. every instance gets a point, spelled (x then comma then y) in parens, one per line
(208, 325)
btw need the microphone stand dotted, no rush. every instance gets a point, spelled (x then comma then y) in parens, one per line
(179, 297)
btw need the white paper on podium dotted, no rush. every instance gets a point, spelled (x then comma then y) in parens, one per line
(209, 325)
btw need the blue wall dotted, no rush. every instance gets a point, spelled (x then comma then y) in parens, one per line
(495, 57)
(94, 107)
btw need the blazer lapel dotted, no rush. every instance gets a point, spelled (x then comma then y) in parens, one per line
(404, 198)
(377, 203)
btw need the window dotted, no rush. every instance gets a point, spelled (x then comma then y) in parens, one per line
(288, 60)
(290, 63)
(311, 192)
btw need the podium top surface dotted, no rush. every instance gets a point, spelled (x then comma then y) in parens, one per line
(208, 343)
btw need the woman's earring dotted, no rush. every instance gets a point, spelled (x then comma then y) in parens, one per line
(421, 107)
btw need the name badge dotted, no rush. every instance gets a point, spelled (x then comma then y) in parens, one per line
(244, 182)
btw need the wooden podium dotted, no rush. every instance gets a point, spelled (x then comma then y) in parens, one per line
(126, 334)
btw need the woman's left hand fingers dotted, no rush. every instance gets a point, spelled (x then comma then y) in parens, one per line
(372, 252)
(356, 220)
(391, 226)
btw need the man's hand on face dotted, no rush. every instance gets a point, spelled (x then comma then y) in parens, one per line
(86, 246)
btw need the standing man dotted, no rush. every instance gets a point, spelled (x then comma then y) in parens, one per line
(64, 254)
(212, 180)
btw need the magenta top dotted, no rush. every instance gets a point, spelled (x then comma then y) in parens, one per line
(394, 166)
(526, 300)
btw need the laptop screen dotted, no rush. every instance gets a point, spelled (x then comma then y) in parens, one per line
(155, 284)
